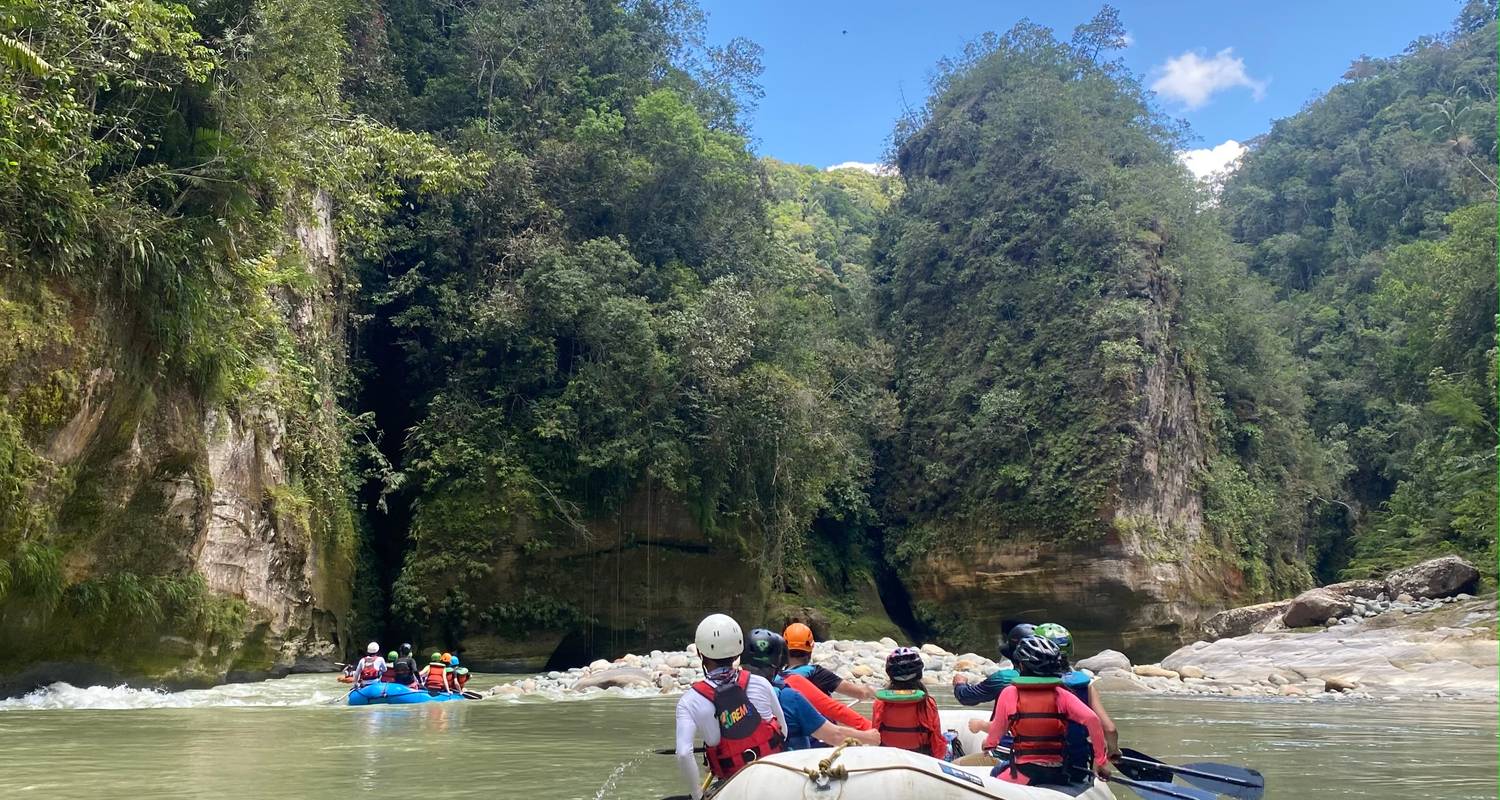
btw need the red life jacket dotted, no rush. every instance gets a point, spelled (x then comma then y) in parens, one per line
(436, 674)
(743, 735)
(901, 720)
(1038, 729)
(368, 671)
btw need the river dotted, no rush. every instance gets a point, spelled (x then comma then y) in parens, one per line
(293, 738)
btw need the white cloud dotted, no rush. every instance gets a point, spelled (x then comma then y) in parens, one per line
(1210, 162)
(865, 166)
(1192, 79)
(1128, 40)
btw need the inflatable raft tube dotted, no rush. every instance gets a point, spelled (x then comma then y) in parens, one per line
(395, 694)
(957, 720)
(882, 773)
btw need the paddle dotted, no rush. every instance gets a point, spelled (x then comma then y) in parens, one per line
(1226, 779)
(668, 751)
(1150, 790)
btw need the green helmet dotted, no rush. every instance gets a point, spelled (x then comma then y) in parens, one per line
(437, 658)
(1059, 635)
(391, 656)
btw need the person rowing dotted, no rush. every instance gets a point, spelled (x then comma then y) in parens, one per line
(765, 655)
(799, 645)
(735, 713)
(1034, 712)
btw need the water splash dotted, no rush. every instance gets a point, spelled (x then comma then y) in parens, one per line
(65, 696)
(614, 778)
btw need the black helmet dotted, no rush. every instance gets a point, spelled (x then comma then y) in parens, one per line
(904, 664)
(765, 652)
(1039, 656)
(406, 649)
(1019, 631)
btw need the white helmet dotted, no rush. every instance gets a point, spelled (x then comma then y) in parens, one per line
(719, 637)
(372, 648)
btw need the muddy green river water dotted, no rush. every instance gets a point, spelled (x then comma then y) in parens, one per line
(294, 738)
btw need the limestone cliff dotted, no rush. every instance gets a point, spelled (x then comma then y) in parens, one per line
(1147, 581)
(161, 529)
(639, 579)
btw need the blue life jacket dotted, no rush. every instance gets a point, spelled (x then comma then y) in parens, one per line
(1078, 750)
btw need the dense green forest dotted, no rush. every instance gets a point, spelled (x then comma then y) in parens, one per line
(561, 279)
(1372, 215)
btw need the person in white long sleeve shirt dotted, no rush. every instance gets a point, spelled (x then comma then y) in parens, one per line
(735, 714)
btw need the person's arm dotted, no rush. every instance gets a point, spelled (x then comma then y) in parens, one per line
(833, 733)
(1111, 733)
(687, 764)
(859, 691)
(1077, 711)
(827, 706)
(937, 742)
(1005, 706)
(974, 694)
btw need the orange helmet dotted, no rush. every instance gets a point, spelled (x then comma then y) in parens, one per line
(447, 658)
(798, 637)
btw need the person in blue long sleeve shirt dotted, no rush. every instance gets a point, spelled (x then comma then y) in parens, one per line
(988, 690)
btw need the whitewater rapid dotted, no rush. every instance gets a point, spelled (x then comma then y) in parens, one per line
(271, 693)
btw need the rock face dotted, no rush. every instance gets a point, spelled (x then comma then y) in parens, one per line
(1440, 577)
(204, 524)
(1243, 620)
(1314, 607)
(1120, 594)
(643, 577)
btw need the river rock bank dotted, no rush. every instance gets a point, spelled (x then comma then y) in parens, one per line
(673, 672)
(1416, 634)
(1447, 649)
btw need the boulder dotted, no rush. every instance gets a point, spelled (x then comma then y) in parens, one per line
(1243, 620)
(934, 650)
(1336, 684)
(1363, 589)
(1191, 672)
(1107, 659)
(1314, 607)
(620, 676)
(1440, 577)
(1110, 684)
(1154, 671)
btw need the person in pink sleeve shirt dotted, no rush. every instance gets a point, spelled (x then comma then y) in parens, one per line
(1035, 710)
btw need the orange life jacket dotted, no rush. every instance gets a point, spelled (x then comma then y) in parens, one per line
(743, 735)
(1038, 729)
(901, 720)
(437, 678)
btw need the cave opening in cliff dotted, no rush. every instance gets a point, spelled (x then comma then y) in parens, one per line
(388, 390)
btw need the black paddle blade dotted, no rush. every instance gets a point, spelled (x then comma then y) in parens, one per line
(1143, 772)
(1141, 767)
(1227, 779)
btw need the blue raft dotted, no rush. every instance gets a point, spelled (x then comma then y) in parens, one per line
(396, 694)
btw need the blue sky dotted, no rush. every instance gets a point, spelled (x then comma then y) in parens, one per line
(832, 96)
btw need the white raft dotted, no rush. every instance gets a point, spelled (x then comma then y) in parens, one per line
(881, 773)
(957, 719)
